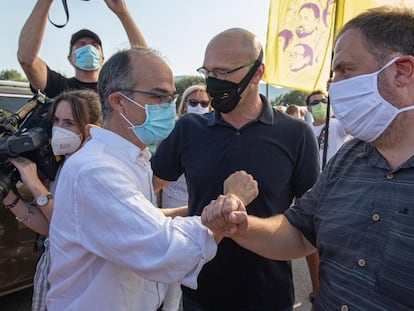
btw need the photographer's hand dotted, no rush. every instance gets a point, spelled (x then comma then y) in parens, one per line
(28, 175)
(120, 9)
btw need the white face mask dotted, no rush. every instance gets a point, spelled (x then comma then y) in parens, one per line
(360, 108)
(197, 109)
(64, 141)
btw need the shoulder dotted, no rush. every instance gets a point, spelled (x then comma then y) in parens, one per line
(284, 121)
(192, 123)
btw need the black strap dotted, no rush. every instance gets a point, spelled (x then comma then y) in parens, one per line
(321, 137)
(65, 7)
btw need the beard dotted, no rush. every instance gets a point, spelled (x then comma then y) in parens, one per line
(395, 131)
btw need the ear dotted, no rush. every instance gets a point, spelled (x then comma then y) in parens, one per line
(70, 59)
(259, 74)
(88, 127)
(405, 71)
(117, 103)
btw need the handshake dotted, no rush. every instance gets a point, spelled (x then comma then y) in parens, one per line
(227, 216)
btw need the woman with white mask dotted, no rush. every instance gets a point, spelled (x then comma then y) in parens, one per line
(71, 113)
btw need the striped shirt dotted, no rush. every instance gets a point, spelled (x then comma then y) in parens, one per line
(360, 216)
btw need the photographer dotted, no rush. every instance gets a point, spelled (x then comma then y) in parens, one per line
(85, 54)
(71, 112)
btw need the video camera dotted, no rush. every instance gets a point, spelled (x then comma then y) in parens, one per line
(26, 133)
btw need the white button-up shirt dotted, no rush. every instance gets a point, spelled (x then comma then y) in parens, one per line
(106, 235)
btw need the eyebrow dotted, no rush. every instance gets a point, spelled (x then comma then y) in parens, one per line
(162, 91)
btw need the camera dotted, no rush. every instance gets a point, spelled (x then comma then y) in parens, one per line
(26, 133)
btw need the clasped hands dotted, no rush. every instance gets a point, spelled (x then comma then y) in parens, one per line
(227, 216)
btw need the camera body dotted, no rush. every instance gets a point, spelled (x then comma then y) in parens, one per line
(26, 133)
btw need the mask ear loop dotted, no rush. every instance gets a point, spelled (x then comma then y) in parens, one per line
(249, 76)
(131, 126)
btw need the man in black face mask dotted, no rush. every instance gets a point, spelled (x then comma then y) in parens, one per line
(244, 132)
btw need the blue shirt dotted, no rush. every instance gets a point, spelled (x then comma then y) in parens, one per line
(281, 154)
(360, 215)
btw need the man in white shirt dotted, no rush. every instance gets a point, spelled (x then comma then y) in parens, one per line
(317, 103)
(109, 244)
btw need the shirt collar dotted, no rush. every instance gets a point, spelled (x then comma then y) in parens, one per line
(266, 115)
(120, 145)
(377, 160)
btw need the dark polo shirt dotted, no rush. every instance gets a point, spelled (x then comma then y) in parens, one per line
(282, 155)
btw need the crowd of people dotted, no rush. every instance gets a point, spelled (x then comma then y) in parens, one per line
(243, 188)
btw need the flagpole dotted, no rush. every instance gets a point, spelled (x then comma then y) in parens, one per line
(338, 20)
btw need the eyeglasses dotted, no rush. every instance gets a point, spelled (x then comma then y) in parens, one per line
(164, 99)
(194, 102)
(317, 101)
(220, 73)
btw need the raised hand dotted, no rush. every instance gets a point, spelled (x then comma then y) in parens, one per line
(242, 185)
(117, 6)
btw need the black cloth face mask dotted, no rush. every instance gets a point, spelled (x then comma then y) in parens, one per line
(225, 95)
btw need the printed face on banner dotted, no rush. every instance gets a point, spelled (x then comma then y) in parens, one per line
(300, 44)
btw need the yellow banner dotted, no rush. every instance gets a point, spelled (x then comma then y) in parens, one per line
(300, 38)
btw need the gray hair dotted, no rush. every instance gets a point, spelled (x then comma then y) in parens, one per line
(117, 73)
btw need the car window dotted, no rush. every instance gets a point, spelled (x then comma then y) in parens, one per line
(17, 260)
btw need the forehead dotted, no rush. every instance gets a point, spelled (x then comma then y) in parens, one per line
(64, 110)
(350, 50)
(316, 96)
(225, 51)
(152, 74)
(198, 94)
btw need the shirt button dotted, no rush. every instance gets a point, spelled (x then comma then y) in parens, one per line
(390, 176)
(361, 263)
(375, 217)
(237, 133)
(344, 308)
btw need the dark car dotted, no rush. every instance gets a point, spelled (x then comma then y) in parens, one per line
(17, 257)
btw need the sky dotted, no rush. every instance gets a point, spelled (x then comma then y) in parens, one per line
(179, 29)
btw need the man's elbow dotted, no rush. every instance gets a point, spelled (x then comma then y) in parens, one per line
(24, 61)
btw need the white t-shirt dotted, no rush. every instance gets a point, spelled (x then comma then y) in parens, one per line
(175, 194)
(106, 236)
(337, 136)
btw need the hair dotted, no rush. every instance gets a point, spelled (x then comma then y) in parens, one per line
(85, 105)
(312, 7)
(292, 109)
(317, 92)
(118, 73)
(182, 108)
(287, 35)
(385, 30)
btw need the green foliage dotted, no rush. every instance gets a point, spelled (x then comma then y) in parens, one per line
(292, 97)
(181, 83)
(13, 75)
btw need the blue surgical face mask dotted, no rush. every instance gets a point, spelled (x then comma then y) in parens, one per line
(158, 124)
(87, 58)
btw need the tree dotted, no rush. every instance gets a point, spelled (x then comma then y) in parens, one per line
(12, 74)
(292, 97)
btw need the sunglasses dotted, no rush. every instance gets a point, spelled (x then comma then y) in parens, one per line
(317, 101)
(194, 102)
